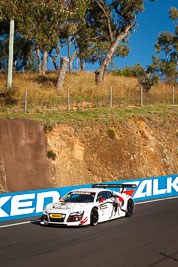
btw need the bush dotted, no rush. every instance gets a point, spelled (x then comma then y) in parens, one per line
(126, 72)
(111, 133)
(48, 126)
(51, 155)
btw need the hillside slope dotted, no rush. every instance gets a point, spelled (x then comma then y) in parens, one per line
(85, 152)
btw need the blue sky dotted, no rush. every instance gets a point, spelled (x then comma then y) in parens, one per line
(151, 22)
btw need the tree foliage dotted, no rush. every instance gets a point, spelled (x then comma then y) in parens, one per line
(41, 21)
(146, 78)
(99, 30)
(167, 47)
(116, 19)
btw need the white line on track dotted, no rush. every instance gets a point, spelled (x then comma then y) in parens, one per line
(136, 203)
(15, 224)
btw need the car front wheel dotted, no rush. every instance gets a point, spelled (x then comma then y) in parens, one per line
(130, 207)
(94, 217)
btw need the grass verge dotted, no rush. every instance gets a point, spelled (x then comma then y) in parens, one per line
(120, 114)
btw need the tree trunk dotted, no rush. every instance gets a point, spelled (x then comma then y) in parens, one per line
(11, 53)
(45, 58)
(39, 60)
(71, 58)
(70, 65)
(63, 69)
(55, 65)
(99, 74)
(81, 65)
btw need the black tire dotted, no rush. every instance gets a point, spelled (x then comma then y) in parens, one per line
(130, 207)
(94, 217)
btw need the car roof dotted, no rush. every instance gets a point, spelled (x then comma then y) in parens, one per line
(90, 190)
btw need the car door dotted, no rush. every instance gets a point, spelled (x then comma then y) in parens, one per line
(105, 207)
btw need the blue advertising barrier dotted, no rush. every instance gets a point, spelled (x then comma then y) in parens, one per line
(31, 203)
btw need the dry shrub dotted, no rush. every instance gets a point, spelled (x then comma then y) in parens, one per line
(161, 88)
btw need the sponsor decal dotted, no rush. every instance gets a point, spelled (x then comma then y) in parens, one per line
(28, 204)
(56, 216)
(21, 205)
(156, 188)
(81, 193)
(84, 220)
(120, 199)
(103, 207)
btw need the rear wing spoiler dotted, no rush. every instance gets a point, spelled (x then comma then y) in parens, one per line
(123, 186)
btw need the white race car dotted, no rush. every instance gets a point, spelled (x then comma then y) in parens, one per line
(89, 206)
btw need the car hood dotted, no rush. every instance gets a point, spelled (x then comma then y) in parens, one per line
(63, 207)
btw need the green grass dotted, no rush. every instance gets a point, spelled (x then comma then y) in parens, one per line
(107, 115)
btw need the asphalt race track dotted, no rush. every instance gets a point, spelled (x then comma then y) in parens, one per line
(148, 239)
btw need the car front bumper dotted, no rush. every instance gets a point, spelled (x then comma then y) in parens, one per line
(47, 220)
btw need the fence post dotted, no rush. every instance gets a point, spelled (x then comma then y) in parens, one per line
(68, 100)
(25, 100)
(173, 95)
(141, 96)
(111, 97)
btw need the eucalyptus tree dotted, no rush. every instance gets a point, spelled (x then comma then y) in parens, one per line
(93, 46)
(79, 34)
(118, 18)
(167, 46)
(23, 56)
(90, 46)
(74, 25)
(91, 40)
(42, 21)
(54, 54)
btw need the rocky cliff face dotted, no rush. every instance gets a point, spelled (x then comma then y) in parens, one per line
(83, 154)
(137, 149)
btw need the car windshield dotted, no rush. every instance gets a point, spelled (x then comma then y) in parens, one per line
(79, 197)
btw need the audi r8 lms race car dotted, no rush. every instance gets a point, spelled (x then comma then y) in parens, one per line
(89, 206)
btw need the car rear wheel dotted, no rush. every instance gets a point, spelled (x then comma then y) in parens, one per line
(130, 207)
(94, 217)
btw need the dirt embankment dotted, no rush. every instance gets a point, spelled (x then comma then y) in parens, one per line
(82, 154)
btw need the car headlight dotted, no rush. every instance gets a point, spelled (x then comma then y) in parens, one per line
(75, 216)
(78, 213)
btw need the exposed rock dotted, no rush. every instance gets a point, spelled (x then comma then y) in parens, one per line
(141, 147)
(69, 168)
(23, 161)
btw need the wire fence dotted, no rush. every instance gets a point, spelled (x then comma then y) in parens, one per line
(110, 100)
